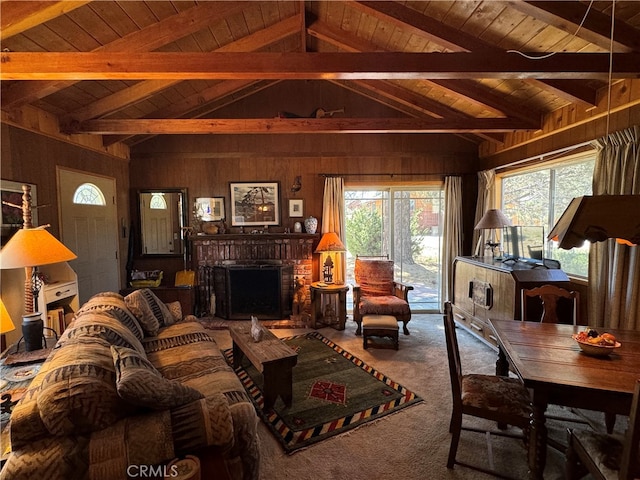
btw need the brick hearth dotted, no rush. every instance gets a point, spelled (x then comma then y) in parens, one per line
(294, 249)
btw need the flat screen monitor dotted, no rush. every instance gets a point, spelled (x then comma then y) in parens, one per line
(524, 243)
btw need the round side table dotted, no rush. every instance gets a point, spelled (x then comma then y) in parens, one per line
(328, 305)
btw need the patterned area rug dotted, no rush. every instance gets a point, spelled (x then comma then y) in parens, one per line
(333, 392)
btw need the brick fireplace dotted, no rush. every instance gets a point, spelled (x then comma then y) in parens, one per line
(294, 250)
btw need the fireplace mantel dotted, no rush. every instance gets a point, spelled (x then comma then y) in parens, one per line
(257, 236)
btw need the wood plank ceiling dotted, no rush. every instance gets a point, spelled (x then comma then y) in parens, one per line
(130, 69)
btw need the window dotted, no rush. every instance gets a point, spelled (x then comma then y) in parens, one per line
(539, 195)
(88, 194)
(403, 223)
(158, 202)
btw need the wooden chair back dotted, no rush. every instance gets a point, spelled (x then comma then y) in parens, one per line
(375, 276)
(453, 354)
(549, 295)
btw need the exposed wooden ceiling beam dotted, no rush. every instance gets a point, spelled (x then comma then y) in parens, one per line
(19, 16)
(149, 38)
(294, 125)
(407, 102)
(451, 38)
(203, 102)
(308, 66)
(596, 28)
(140, 91)
(302, 26)
(423, 26)
(466, 88)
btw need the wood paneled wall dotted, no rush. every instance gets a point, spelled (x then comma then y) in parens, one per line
(206, 164)
(569, 126)
(33, 158)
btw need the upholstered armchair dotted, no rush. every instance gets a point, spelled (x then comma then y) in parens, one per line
(376, 292)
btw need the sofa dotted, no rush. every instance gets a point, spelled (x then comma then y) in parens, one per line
(129, 387)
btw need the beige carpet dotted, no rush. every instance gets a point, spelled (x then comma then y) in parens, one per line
(413, 443)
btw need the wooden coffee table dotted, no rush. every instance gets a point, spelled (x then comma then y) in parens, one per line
(271, 356)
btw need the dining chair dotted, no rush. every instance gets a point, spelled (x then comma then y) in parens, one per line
(550, 296)
(606, 456)
(496, 398)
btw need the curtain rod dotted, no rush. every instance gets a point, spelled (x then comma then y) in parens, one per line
(329, 175)
(545, 156)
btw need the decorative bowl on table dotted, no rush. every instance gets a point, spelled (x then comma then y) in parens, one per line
(594, 344)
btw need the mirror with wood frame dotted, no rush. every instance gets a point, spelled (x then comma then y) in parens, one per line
(163, 214)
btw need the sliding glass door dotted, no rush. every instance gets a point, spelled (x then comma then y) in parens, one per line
(405, 225)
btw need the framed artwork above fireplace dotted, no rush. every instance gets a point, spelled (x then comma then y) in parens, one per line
(255, 203)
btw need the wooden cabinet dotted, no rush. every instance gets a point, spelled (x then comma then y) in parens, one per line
(58, 299)
(485, 289)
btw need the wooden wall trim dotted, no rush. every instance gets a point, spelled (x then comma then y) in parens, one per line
(43, 123)
(568, 126)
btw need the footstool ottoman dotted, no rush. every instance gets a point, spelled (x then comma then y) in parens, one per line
(379, 326)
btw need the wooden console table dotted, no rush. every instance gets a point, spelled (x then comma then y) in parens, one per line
(484, 288)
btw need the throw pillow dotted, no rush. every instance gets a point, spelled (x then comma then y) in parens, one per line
(176, 311)
(150, 311)
(112, 304)
(138, 382)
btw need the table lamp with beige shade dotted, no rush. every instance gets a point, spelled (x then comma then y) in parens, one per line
(492, 219)
(30, 248)
(329, 243)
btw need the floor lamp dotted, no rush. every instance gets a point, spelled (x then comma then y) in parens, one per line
(30, 248)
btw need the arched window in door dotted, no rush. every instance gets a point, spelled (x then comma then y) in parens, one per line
(158, 202)
(88, 194)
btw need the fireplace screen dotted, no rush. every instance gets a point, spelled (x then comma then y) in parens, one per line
(261, 290)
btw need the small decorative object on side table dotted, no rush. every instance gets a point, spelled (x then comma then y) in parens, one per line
(328, 305)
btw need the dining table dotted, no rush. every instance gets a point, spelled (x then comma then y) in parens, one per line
(553, 367)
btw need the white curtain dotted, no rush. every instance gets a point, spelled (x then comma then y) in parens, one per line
(486, 183)
(333, 221)
(451, 232)
(614, 269)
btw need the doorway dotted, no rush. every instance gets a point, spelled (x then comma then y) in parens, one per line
(403, 223)
(88, 221)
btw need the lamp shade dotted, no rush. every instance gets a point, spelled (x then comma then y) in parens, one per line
(596, 218)
(330, 242)
(31, 247)
(6, 324)
(493, 218)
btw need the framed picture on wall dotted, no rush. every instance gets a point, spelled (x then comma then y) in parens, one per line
(11, 197)
(210, 209)
(255, 203)
(296, 207)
